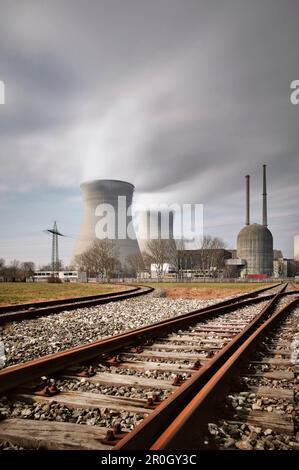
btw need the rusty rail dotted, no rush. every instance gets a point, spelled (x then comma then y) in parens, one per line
(33, 310)
(188, 427)
(13, 376)
(49, 303)
(152, 427)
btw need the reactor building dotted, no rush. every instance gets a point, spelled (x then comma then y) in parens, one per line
(107, 214)
(255, 241)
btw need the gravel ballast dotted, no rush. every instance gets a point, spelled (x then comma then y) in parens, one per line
(232, 433)
(30, 339)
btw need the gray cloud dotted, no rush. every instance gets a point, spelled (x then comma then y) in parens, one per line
(180, 97)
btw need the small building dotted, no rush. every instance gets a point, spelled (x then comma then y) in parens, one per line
(165, 271)
(63, 276)
(204, 263)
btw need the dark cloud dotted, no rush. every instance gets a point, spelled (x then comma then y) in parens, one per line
(180, 97)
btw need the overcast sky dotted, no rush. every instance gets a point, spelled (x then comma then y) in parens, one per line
(180, 97)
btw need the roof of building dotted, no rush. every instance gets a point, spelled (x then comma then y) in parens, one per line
(255, 231)
(277, 254)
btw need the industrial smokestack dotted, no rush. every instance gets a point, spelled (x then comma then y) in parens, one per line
(265, 221)
(247, 217)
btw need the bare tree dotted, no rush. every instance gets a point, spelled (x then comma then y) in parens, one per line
(280, 266)
(100, 258)
(27, 269)
(175, 255)
(2, 267)
(16, 271)
(105, 256)
(13, 271)
(84, 262)
(211, 256)
(136, 263)
(158, 254)
(230, 272)
(147, 260)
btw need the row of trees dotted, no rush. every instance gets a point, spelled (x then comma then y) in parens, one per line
(16, 271)
(159, 252)
(210, 255)
(102, 258)
(207, 260)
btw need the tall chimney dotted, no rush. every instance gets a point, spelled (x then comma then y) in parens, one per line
(247, 217)
(265, 221)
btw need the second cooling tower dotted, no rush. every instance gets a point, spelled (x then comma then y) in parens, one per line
(153, 225)
(296, 248)
(99, 195)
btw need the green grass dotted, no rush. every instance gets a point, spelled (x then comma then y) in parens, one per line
(18, 292)
(212, 285)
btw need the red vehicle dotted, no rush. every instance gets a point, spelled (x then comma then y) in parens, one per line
(257, 276)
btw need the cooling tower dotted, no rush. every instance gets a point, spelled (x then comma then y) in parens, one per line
(296, 248)
(100, 198)
(153, 224)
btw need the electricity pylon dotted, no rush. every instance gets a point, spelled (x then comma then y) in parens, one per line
(55, 254)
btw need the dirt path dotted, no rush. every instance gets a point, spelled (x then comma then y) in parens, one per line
(201, 293)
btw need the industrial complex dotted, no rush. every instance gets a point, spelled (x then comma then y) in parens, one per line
(253, 258)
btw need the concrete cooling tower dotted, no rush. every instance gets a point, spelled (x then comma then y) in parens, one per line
(296, 248)
(101, 194)
(153, 224)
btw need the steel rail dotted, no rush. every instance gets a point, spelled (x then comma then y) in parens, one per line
(71, 304)
(30, 310)
(13, 376)
(153, 426)
(49, 303)
(188, 427)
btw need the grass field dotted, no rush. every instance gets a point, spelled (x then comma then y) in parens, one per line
(206, 290)
(19, 292)
(16, 292)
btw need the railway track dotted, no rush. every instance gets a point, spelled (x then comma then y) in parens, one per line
(251, 402)
(33, 310)
(129, 388)
(264, 400)
(21, 312)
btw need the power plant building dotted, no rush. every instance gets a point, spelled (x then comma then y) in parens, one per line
(255, 241)
(253, 258)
